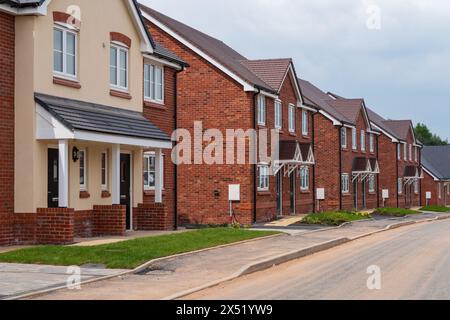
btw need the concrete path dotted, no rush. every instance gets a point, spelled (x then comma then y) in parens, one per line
(18, 279)
(171, 277)
(414, 263)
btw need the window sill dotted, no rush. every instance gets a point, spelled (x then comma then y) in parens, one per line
(66, 82)
(305, 191)
(152, 192)
(106, 194)
(346, 194)
(120, 94)
(292, 134)
(261, 126)
(264, 193)
(154, 105)
(84, 195)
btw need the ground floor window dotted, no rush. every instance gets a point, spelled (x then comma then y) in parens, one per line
(304, 178)
(104, 171)
(150, 170)
(83, 170)
(416, 186)
(400, 186)
(440, 191)
(263, 178)
(372, 183)
(345, 183)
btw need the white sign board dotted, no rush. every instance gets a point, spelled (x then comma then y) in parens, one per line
(428, 195)
(320, 194)
(234, 192)
(385, 193)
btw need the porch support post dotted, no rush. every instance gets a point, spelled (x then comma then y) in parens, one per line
(115, 174)
(63, 172)
(158, 176)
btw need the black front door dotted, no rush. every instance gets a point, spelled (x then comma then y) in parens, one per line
(53, 178)
(125, 184)
(279, 194)
(292, 192)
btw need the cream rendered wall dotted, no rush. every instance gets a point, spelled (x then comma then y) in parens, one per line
(34, 73)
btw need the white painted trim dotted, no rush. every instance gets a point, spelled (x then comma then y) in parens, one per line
(158, 176)
(131, 141)
(149, 99)
(115, 174)
(331, 118)
(63, 74)
(290, 71)
(146, 45)
(431, 174)
(38, 11)
(163, 62)
(246, 86)
(63, 172)
(119, 47)
(83, 187)
(302, 106)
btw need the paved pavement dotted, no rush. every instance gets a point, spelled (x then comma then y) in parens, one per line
(17, 279)
(414, 263)
(172, 276)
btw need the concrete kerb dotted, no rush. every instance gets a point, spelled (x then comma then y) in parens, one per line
(139, 269)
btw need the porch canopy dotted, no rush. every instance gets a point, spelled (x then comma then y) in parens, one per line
(64, 119)
(363, 168)
(412, 174)
(293, 154)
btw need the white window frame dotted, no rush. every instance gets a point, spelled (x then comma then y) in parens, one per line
(261, 110)
(405, 151)
(263, 174)
(416, 154)
(147, 156)
(305, 123)
(291, 117)
(410, 152)
(345, 183)
(416, 186)
(278, 115)
(399, 152)
(104, 185)
(372, 183)
(153, 83)
(439, 190)
(372, 143)
(304, 178)
(119, 48)
(354, 139)
(64, 73)
(83, 186)
(344, 137)
(400, 186)
(363, 140)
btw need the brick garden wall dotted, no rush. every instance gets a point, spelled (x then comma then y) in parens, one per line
(7, 36)
(151, 216)
(109, 220)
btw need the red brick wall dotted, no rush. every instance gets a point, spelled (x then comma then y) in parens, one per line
(84, 224)
(7, 35)
(151, 216)
(326, 151)
(388, 168)
(208, 95)
(163, 116)
(429, 185)
(109, 220)
(25, 225)
(55, 226)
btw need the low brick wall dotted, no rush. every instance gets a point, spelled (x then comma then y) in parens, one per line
(55, 226)
(25, 228)
(6, 229)
(109, 220)
(151, 217)
(84, 224)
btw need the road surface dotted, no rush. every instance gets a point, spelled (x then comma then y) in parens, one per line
(414, 263)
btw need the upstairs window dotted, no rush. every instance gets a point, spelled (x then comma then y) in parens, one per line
(64, 52)
(118, 67)
(261, 110)
(416, 156)
(363, 140)
(410, 152)
(153, 83)
(305, 122)
(372, 143)
(344, 137)
(399, 152)
(278, 115)
(291, 118)
(354, 141)
(405, 152)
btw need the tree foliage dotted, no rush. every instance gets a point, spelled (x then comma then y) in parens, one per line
(424, 135)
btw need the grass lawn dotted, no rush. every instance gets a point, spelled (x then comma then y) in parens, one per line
(395, 212)
(333, 218)
(132, 253)
(436, 209)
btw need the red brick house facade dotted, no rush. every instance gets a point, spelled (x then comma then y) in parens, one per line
(221, 88)
(436, 171)
(7, 35)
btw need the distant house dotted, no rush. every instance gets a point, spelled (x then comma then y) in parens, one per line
(436, 182)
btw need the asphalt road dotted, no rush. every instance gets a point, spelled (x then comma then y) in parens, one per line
(414, 263)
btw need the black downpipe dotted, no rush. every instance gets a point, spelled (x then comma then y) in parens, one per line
(340, 166)
(313, 138)
(255, 166)
(396, 174)
(378, 175)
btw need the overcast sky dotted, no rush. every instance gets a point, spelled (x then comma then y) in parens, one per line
(394, 54)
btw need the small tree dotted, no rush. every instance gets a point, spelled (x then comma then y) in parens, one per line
(424, 135)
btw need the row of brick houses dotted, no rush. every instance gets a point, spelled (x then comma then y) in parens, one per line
(89, 104)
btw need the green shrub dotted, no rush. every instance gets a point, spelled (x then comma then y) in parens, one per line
(334, 218)
(436, 209)
(395, 212)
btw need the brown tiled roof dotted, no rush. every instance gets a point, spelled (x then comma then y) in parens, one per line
(213, 47)
(271, 71)
(399, 127)
(350, 108)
